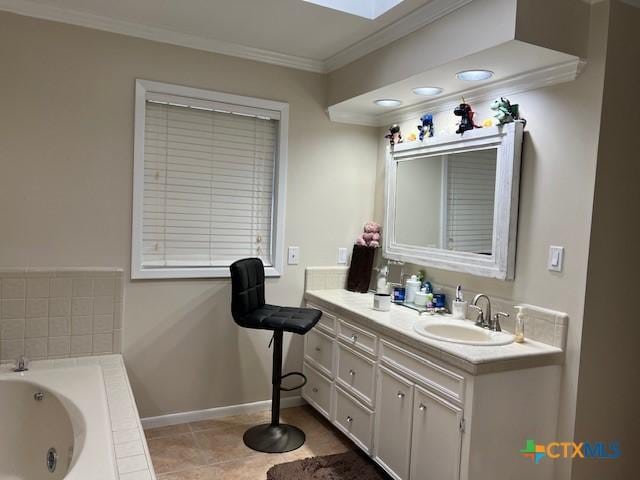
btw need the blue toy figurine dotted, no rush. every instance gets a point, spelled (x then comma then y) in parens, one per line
(426, 129)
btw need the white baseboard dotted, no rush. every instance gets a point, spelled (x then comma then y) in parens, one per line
(198, 415)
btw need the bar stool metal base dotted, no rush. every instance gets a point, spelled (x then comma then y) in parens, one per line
(270, 438)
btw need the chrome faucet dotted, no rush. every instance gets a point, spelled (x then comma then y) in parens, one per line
(22, 364)
(495, 325)
(484, 316)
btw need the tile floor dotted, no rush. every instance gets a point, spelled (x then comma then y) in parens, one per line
(213, 449)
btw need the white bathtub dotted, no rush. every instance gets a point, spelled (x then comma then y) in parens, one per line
(72, 417)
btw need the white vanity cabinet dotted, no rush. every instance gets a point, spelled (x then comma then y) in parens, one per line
(393, 423)
(436, 437)
(420, 417)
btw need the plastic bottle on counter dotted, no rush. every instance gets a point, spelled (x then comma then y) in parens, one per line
(412, 286)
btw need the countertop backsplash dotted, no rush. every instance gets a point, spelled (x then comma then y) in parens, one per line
(541, 324)
(60, 312)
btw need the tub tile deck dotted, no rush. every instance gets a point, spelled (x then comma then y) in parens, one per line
(131, 457)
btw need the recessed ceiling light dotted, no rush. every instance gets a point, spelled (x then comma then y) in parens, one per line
(474, 75)
(427, 91)
(388, 102)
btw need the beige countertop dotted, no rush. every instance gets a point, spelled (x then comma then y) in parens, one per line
(398, 324)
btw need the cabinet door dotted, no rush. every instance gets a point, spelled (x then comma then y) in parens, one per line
(436, 438)
(394, 405)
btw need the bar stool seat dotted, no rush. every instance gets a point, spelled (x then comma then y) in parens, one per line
(249, 310)
(288, 319)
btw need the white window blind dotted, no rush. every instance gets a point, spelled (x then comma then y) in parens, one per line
(208, 186)
(471, 182)
(209, 181)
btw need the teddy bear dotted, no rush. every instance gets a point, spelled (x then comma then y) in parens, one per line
(370, 237)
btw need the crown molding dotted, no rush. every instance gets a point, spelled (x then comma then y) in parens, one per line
(416, 20)
(46, 12)
(534, 79)
(424, 15)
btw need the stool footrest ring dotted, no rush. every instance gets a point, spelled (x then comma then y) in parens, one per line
(304, 381)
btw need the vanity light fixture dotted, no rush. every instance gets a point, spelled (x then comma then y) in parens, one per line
(474, 75)
(388, 102)
(427, 91)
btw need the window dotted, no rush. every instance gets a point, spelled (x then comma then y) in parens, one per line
(370, 9)
(209, 182)
(471, 183)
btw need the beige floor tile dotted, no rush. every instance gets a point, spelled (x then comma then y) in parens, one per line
(201, 473)
(166, 431)
(218, 443)
(224, 423)
(223, 445)
(178, 452)
(251, 468)
(326, 447)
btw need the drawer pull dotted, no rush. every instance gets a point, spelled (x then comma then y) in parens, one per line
(401, 395)
(352, 373)
(349, 419)
(422, 407)
(354, 338)
(314, 390)
(318, 349)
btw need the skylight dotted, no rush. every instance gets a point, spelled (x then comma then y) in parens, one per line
(370, 9)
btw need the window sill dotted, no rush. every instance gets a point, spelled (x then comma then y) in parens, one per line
(186, 273)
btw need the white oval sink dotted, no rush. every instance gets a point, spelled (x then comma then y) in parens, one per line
(461, 331)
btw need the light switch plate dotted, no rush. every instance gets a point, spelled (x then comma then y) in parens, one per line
(342, 256)
(294, 256)
(556, 258)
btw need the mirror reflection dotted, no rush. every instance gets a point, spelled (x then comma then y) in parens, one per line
(447, 201)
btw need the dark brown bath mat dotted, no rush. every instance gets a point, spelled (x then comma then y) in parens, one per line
(342, 466)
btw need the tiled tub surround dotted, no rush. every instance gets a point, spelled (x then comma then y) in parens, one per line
(398, 324)
(59, 313)
(541, 324)
(129, 454)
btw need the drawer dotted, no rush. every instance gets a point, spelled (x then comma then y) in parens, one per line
(328, 320)
(317, 391)
(353, 419)
(357, 337)
(318, 350)
(356, 374)
(424, 370)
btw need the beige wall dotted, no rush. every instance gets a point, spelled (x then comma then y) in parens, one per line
(477, 26)
(556, 194)
(559, 25)
(609, 384)
(66, 136)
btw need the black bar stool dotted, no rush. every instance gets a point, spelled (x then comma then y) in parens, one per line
(249, 310)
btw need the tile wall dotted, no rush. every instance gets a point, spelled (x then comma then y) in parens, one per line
(60, 313)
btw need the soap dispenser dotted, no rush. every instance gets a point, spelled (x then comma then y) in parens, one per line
(519, 327)
(459, 306)
(382, 285)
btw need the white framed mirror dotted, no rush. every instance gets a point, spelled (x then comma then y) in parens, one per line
(451, 202)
